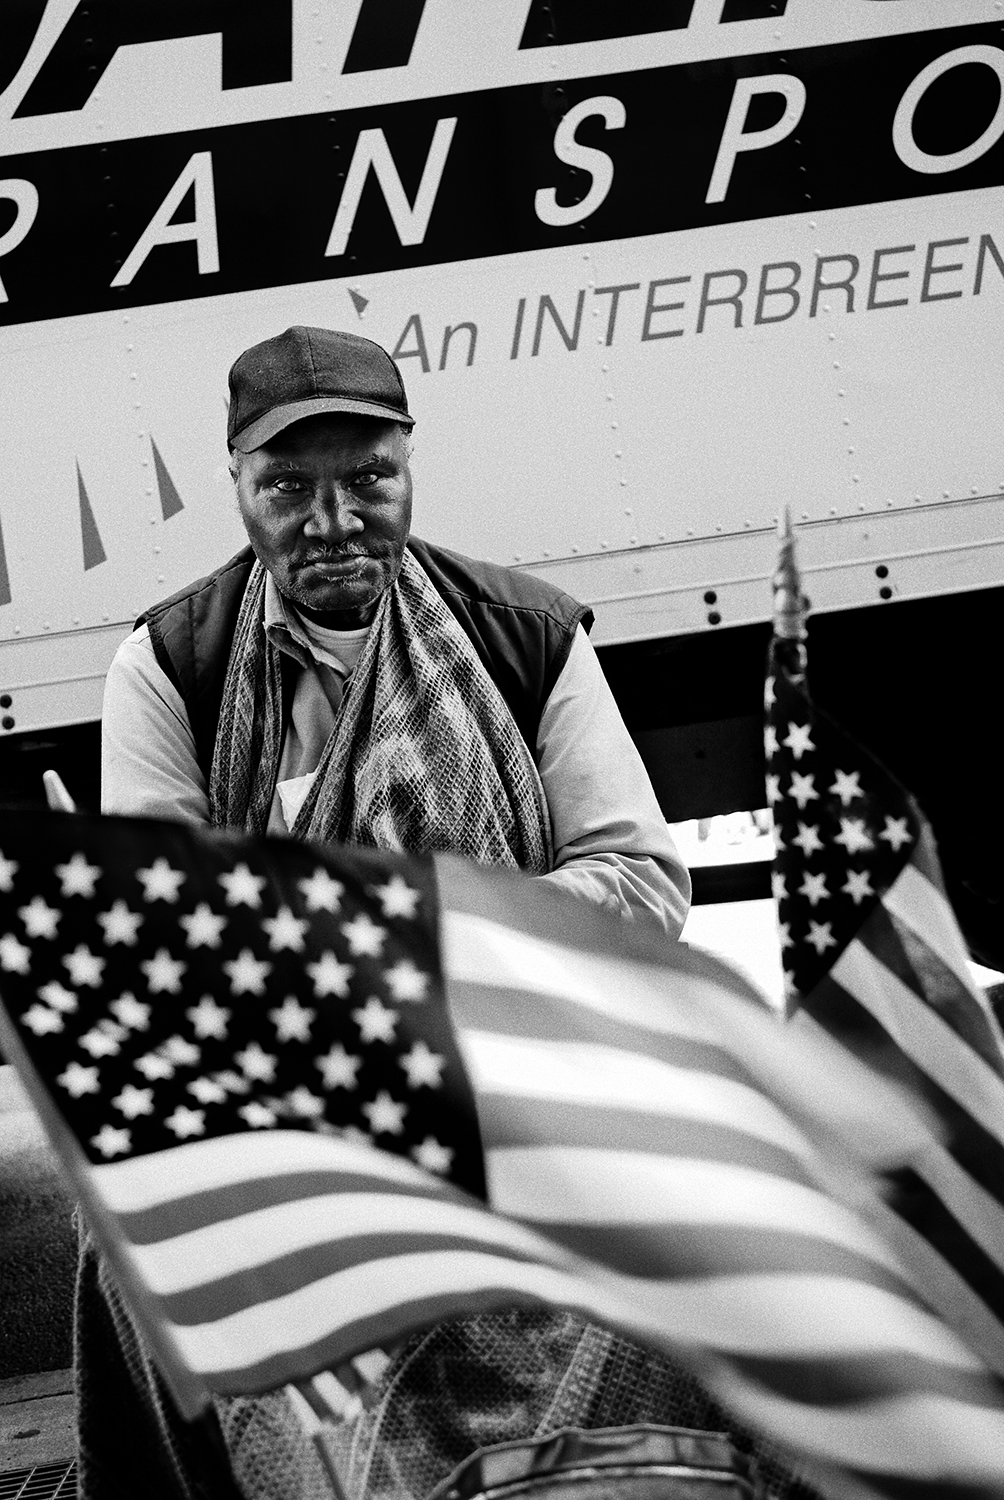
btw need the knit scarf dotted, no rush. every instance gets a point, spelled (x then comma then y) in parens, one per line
(424, 754)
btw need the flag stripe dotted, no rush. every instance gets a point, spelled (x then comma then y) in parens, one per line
(577, 1125)
(386, 1326)
(203, 1166)
(900, 934)
(977, 1153)
(922, 970)
(694, 1249)
(916, 901)
(772, 1058)
(923, 1036)
(916, 1202)
(796, 1316)
(383, 1297)
(605, 1077)
(472, 897)
(481, 951)
(922, 1437)
(254, 1240)
(179, 1215)
(944, 1286)
(299, 1270)
(551, 1017)
(540, 1184)
(846, 1380)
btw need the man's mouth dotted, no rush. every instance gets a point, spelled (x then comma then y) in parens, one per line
(339, 562)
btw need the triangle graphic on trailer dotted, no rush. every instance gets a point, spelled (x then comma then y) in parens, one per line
(4, 576)
(94, 552)
(170, 501)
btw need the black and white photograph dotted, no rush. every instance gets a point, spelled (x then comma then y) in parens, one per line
(501, 612)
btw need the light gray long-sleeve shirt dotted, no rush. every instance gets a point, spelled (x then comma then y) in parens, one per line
(611, 842)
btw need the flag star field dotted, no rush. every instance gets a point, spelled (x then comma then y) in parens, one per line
(177, 1005)
(843, 832)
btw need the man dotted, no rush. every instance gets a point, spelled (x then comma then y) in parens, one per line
(341, 680)
(478, 719)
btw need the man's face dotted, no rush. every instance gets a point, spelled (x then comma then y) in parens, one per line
(327, 509)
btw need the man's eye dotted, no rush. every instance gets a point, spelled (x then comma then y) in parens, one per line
(367, 477)
(287, 486)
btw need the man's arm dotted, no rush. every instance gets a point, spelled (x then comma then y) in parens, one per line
(148, 763)
(611, 841)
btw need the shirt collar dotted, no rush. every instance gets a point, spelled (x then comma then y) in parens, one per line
(282, 626)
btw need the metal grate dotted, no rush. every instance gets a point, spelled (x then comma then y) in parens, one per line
(43, 1482)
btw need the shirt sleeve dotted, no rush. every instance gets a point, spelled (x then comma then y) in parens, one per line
(149, 767)
(611, 841)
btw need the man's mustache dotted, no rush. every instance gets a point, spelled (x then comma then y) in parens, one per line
(334, 554)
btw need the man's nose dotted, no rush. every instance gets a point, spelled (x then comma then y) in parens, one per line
(333, 516)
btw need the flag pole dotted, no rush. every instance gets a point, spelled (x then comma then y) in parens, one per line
(791, 607)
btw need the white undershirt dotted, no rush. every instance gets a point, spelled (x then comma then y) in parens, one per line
(316, 699)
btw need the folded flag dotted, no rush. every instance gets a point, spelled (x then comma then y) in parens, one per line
(220, 1032)
(872, 955)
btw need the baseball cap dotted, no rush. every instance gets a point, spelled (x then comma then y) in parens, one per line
(304, 372)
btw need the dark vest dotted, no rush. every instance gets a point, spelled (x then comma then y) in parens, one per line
(520, 627)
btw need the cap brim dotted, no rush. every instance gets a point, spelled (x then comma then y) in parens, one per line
(265, 428)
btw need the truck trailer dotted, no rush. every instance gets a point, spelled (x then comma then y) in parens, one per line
(652, 271)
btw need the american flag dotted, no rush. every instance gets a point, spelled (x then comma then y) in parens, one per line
(640, 1131)
(872, 955)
